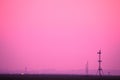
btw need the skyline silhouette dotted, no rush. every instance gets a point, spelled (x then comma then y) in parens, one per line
(59, 34)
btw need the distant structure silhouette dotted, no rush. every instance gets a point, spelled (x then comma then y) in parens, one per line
(86, 67)
(100, 70)
(25, 70)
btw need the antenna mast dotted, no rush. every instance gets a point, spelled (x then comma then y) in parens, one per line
(100, 70)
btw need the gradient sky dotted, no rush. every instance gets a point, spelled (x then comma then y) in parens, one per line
(59, 34)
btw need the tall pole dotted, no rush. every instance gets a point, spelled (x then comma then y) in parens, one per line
(87, 68)
(25, 70)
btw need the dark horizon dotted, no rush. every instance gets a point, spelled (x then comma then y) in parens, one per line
(69, 72)
(57, 77)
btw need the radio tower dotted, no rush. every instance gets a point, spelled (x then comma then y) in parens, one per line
(100, 70)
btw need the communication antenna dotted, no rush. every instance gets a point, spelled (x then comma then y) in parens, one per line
(100, 70)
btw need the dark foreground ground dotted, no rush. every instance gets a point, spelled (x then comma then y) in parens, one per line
(56, 77)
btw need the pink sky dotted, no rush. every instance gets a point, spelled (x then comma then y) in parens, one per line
(59, 34)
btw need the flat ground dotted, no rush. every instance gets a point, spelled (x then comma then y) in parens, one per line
(55, 77)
